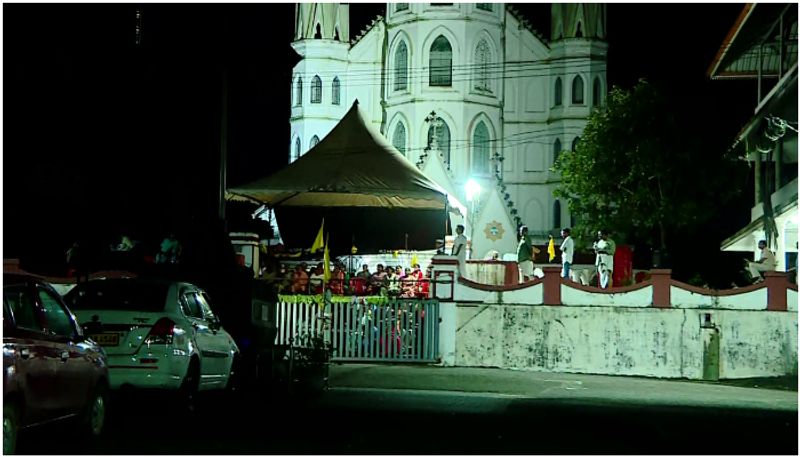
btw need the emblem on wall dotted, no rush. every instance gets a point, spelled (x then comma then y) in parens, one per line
(494, 230)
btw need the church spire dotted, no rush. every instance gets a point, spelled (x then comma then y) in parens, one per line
(578, 20)
(327, 21)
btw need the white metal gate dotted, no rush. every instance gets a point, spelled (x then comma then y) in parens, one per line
(401, 330)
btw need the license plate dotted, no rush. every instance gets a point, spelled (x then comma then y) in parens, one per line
(106, 339)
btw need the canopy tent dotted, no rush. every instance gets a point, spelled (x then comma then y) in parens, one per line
(366, 190)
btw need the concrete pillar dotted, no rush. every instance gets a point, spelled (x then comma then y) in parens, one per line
(444, 270)
(776, 282)
(552, 285)
(662, 296)
(757, 178)
(448, 326)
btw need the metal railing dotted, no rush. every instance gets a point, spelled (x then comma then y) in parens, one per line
(400, 330)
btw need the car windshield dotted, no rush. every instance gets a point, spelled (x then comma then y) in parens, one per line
(121, 295)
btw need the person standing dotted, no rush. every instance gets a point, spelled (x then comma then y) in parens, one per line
(525, 255)
(604, 249)
(460, 248)
(567, 250)
(765, 262)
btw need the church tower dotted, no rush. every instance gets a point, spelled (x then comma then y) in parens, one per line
(577, 81)
(319, 99)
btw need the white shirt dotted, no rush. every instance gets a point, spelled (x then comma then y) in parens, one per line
(768, 258)
(460, 249)
(567, 249)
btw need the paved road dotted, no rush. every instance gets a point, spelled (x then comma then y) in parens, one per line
(537, 419)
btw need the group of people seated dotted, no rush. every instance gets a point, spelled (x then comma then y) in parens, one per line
(391, 281)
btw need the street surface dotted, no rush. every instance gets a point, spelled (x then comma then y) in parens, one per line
(430, 410)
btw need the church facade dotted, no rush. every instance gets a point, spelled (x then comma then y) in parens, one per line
(470, 84)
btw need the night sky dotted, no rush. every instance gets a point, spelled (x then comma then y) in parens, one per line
(103, 136)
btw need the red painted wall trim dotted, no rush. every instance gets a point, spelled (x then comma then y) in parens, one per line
(552, 285)
(662, 295)
(611, 290)
(716, 292)
(776, 282)
(497, 288)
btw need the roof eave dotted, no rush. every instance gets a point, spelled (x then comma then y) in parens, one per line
(732, 34)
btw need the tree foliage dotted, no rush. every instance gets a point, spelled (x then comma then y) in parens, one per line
(641, 170)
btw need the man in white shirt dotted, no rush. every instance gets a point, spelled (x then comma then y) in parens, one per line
(567, 250)
(604, 249)
(460, 248)
(766, 262)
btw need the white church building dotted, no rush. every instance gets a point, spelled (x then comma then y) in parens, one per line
(467, 91)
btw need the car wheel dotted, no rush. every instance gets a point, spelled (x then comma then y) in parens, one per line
(190, 386)
(10, 428)
(94, 418)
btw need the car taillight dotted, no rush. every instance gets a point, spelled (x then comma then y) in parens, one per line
(162, 332)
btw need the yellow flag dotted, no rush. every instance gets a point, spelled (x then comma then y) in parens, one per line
(318, 240)
(551, 249)
(414, 260)
(326, 262)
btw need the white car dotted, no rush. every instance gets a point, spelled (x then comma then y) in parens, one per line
(157, 334)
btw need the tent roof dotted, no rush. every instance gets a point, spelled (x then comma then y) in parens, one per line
(352, 166)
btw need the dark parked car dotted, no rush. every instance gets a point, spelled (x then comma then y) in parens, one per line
(50, 370)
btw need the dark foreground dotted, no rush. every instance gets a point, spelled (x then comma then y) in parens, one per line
(374, 421)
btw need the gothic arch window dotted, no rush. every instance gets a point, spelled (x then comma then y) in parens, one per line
(399, 138)
(558, 92)
(480, 149)
(575, 143)
(318, 33)
(299, 92)
(441, 63)
(314, 141)
(400, 7)
(556, 150)
(336, 91)
(297, 147)
(557, 214)
(483, 58)
(485, 6)
(336, 33)
(401, 67)
(578, 31)
(577, 90)
(443, 140)
(316, 90)
(596, 101)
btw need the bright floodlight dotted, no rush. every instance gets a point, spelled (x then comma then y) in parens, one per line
(473, 189)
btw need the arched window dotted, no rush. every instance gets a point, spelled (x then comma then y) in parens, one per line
(480, 149)
(336, 33)
(557, 214)
(596, 92)
(297, 146)
(314, 141)
(316, 90)
(577, 90)
(556, 150)
(442, 140)
(299, 95)
(400, 7)
(558, 92)
(401, 67)
(484, 6)
(483, 57)
(318, 33)
(399, 138)
(575, 143)
(441, 63)
(336, 91)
